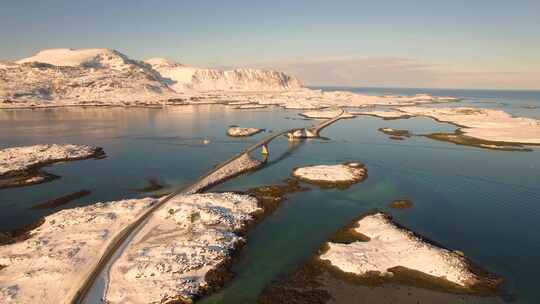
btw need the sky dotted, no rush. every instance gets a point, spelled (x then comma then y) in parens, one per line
(489, 44)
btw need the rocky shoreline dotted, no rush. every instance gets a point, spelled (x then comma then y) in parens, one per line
(332, 176)
(21, 166)
(319, 280)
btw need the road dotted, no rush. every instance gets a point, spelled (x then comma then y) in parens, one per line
(79, 296)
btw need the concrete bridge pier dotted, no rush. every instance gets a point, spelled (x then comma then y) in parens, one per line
(264, 150)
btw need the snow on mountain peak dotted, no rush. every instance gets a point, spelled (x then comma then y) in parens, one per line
(181, 77)
(162, 62)
(77, 75)
(90, 58)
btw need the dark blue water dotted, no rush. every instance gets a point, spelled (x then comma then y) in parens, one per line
(482, 202)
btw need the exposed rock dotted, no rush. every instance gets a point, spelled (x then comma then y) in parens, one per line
(60, 201)
(401, 204)
(152, 185)
(395, 132)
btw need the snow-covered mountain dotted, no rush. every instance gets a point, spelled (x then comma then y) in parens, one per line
(106, 75)
(80, 75)
(181, 77)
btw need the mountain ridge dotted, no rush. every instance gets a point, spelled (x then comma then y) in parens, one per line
(101, 74)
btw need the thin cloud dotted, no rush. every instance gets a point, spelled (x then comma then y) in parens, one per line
(400, 72)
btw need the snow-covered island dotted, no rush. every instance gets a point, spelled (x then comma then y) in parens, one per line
(20, 166)
(54, 258)
(485, 124)
(478, 127)
(340, 175)
(376, 260)
(177, 255)
(386, 250)
(236, 131)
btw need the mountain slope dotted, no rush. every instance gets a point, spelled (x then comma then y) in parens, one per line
(181, 77)
(108, 76)
(86, 75)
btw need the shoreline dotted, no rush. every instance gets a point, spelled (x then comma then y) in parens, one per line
(318, 281)
(32, 173)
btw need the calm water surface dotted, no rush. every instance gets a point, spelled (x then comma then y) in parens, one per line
(484, 203)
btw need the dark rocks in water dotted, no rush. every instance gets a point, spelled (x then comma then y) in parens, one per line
(395, 132)
(6, 238)
(401, 204)
(29, 178)
(62, 200)
(21, 234)
(153, 184)
(271, 196)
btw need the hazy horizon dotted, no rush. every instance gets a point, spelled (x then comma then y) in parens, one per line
(457, 45)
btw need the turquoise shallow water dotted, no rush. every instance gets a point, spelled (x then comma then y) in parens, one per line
(482, 202)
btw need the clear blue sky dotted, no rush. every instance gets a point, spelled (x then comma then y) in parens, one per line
(482, 43)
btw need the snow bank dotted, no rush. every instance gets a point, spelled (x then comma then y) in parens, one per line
(391, 246)
(18, 159)
(173, 254)
(332, 174)
(241, 132)
(49, 265)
